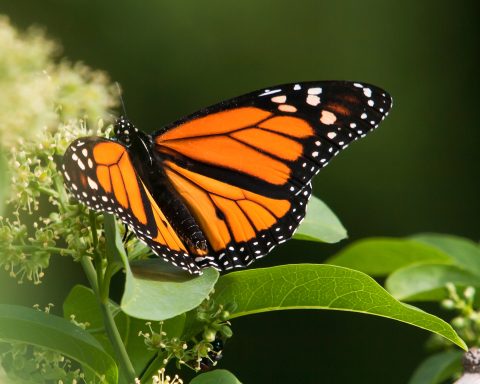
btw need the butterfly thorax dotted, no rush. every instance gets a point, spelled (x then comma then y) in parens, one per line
(137, 142)
(148, 164)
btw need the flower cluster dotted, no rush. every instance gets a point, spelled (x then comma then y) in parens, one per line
(467, 319)
(40, 103)
(38, 92)
(161, 378)
(214, 319)
(43, 221)
(195, 354)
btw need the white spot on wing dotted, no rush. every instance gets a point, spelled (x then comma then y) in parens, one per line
(279, 99)
(92, 183)
(270, 92)
(314, 91)
(367, 92)
(328, 118)
(313, 100)
(287, 108)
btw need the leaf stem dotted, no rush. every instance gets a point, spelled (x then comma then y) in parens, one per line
(109, 322)
(48, 191)
(151, 368)
(62, 197)
(117, 343)
(99, 277)
(90, 272)
(33, 248)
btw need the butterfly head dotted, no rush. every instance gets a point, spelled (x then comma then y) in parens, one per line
(124, 130)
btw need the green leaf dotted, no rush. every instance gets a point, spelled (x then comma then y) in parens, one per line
(381, 256)
(312, 286)
(20, 324)
(218, 376)
(82, 302)
(156, 291)
(427, 282)
(464, 252)
(157, 298)
(438, 368)
(320, 224)
(4, 181)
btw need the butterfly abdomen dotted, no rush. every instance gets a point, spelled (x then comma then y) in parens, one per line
(177, 213)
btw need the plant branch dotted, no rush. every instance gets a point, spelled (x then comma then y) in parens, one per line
(104, 273)
(33, 248)
(90, 272)
(156, 362)
(117, 343)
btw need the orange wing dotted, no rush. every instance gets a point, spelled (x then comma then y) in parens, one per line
(99, 173)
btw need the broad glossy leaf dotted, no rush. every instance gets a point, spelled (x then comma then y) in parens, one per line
(314, 286)
(381, 256)
(437, 368)
(154, 291)
(156, 298)
(320, 224)
(465, 252)
(427, 282)
(20, 324)
(218, 376)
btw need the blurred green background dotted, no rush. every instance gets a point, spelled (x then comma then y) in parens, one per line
(416, 173)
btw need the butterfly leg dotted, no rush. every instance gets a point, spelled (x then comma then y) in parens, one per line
(127, 236)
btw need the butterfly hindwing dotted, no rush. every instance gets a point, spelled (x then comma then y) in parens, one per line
(99, 172)
(240, 225)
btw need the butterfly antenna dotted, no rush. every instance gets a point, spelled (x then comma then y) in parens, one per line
(121, 98)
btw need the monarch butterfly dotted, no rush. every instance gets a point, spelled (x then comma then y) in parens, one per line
(223, 186)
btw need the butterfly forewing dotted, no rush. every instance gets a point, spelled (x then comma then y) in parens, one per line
(269, 143)
(99, 173)
(273, 141)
